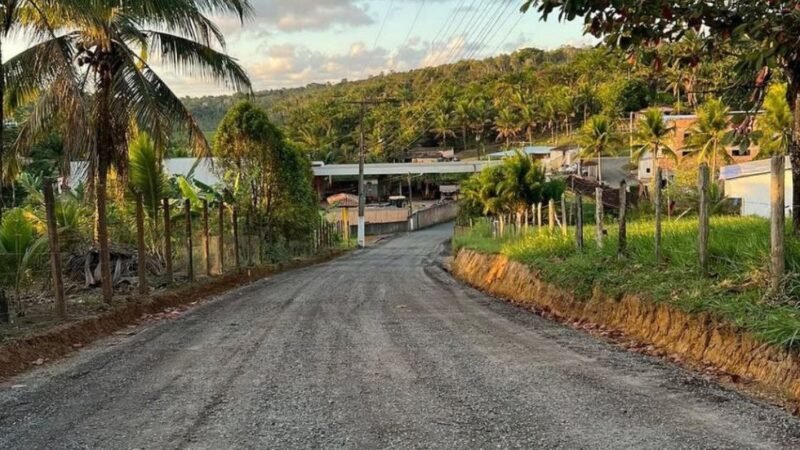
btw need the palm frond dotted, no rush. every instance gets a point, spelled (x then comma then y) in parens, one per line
(144, 97)
(198, 60)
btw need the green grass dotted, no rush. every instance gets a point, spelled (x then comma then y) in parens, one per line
(735, 290)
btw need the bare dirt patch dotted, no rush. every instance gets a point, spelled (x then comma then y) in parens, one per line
(45, 342)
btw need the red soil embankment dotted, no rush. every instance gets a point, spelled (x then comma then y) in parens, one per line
(697, 337)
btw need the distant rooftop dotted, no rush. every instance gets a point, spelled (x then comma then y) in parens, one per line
(531, 150)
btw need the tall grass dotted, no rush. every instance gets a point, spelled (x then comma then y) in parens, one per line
(736, 289)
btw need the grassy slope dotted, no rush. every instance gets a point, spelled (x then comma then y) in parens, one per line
(734, 291)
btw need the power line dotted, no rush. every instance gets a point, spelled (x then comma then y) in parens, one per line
(466, 31)
(383, 24)
(489, 27)
(414, 23)
(510, 30)
(448, 23)
(505, 14)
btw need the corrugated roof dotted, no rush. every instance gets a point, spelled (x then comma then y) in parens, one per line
(528, 150)
(747, 169)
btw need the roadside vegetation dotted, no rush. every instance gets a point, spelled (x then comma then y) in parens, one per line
(736, 291)
(93, 120)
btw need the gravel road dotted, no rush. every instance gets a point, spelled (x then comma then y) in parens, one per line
(380, 348)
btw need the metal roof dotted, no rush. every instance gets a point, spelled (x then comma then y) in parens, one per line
(758, 167)
(204, 172)
(332, 170)
(528, 150)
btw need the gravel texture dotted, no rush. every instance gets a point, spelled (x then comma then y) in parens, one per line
(380, 348)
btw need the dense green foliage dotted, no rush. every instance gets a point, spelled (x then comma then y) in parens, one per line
(737, 291)
(530, 95)
(509, 188)
(266, 173)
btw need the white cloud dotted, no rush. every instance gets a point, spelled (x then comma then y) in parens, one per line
(300, 15)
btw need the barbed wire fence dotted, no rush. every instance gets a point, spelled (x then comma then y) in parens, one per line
(574, 213)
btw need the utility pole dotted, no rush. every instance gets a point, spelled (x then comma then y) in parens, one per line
(362, 195)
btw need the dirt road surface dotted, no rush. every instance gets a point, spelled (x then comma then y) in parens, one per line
(378, 349)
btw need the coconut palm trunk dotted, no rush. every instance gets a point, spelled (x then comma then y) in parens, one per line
(105, 143)
(600, 168)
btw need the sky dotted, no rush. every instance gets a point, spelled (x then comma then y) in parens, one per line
(291, 43)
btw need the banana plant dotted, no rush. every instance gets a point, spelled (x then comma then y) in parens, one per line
(22, 249)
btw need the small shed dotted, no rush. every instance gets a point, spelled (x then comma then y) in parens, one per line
(750, 183)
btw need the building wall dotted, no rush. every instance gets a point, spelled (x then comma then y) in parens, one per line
(753, 190)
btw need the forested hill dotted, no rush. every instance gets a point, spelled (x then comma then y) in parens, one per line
(530, 95)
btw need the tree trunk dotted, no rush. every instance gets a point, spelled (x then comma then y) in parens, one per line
(2, 123)
(793, 98)
(105, 144)
(102, 233)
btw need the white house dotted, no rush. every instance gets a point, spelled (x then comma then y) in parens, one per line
(750, 182)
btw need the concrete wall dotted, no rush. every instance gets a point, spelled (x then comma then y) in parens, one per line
(377, 229)
(753, 190)
(434, 215)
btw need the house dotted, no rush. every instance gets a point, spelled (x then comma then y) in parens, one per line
(749, 183)
(682, 125)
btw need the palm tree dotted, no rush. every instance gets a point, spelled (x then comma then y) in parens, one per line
(651, 136)
(529, 118)
(463, 116)
(506, 124)
(708, 137)
(522, 183)
(111, 44)
(442, 122)
(598, 136)
(775, 126)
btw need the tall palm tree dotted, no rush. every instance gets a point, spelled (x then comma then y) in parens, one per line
(598, 136)
(442, 123)
(463, 116)
(111, 88)
(507, 125)
(652, 136)
(708, 137)
(775, 126)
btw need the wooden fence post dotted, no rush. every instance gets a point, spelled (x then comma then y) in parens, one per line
(539, 215)
(598, 215)
(5, 315)
(221, 241)
(187, 208)
(564, 222)
(235, 219)
(777, 221)
(261, 237)
(248, 226)
(579, 220)
(55, 254)
(622, 247)
(167, 240)
(657, 204)
(206, 239)
(702, 239)
(551, 215)
(141, 257)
